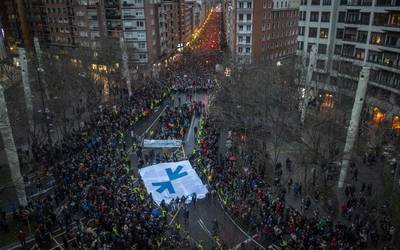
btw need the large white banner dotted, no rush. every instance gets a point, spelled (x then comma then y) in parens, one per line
(162, 143)
(166, 181)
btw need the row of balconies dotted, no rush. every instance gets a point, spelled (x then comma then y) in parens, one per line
(387, 39)
(132, 4)
(351, 69)
(369, 2)
(386, 58)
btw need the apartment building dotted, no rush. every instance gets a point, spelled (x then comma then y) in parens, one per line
(261, 30)
(151, 29)
(348, 35)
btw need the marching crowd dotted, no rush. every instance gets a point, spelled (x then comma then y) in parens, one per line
(95, 200)
(101, 206)
(265, 213)
(190, 82)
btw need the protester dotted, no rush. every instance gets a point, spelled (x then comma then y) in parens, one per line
(251, 200)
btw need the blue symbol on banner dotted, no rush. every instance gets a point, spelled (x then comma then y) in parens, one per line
(176, 174)
(171, 176)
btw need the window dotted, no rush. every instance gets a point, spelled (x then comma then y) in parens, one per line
(247, 50)
(300, 45)
(322, 49)
(240, 39)
(326, 2)
(240, 17)
(248, 27)
(394, 19)
(350, 34)
(348, 50)
(247, 39)
(314, 16)
(338, 49)
(240, 27)
(249, 5)
(303, 15)
(323, 33)
(362, 36)
(342, 17)
(240, 50)
(339, 33)
(315, 2)
(377, 38)
(393, 40)
(241, 5)
(301, 30)
(142, 45)
(325, 17)
(248, 17)
(360, 54)
(352, 16)
(381, 18)
(141, 35)
(142, 56)
(312, 32)
(139, 23)
(364, 18)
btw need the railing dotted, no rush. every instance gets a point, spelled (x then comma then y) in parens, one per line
(388, 3)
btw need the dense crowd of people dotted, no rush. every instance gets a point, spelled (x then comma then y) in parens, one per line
(252, 201)
(95, 190)
(190, 82)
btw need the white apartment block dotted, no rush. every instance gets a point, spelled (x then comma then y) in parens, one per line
(349, 34)
(244, 24)
(134, 29)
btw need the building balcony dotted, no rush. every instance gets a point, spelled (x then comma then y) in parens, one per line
(388, 3)
(131, 4)
(359, 2)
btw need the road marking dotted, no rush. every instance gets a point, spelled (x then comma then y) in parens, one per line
(203, 226)
(190, 128)
(233, 221)
(148, 128)
(243, 242)
(155, 120)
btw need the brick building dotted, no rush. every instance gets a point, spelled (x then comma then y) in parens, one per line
(261, 30)
(151, 29)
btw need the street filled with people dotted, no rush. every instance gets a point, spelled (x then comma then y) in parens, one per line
(262, 208)
(96, 200)
(98, 203)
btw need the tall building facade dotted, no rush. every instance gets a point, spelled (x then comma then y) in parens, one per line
(261, 30)
(348, 35)
(151, 29)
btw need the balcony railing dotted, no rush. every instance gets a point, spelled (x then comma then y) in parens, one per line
(359, 2)
(388, 3)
